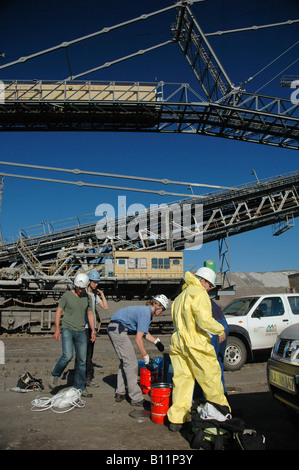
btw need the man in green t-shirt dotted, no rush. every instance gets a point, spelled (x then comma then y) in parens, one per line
(74, 305)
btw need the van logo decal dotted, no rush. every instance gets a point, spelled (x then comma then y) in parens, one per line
(271, 329)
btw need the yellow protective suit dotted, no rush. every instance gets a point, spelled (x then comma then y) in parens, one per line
(191, 353)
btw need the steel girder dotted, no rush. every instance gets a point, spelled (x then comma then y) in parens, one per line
(225, 111)
(240, 116)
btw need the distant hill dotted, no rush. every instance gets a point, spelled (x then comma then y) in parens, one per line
(257, 283)
(246, 284)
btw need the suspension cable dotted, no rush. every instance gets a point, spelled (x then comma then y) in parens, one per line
(94, 185)
(97, 33)
(121, 59)
(112, 175)
(270, 63)
(277, 75)
(251, 28)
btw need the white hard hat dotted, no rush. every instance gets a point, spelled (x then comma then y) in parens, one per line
(208, 274)
(81, 280)
(162, 299)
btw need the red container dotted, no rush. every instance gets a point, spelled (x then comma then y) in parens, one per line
(160, 402)
(147, 379)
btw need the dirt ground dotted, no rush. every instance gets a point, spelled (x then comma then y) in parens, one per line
(103, 424)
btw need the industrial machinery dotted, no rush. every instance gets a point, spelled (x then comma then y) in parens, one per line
(41, 263)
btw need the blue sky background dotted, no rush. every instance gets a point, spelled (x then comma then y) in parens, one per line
(31, 26)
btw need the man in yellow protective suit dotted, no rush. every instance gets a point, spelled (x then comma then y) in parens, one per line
(191, 353)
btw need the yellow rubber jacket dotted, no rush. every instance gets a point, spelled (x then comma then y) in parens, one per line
(192, 319)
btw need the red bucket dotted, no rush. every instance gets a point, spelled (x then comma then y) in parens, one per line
(147, 378)
(160, 402)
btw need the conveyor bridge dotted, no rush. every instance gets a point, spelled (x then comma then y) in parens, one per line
(220, 109)
(53, 252)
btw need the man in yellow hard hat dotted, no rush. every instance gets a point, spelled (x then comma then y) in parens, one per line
(192, 355)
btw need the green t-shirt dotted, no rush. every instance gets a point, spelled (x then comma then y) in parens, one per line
(74, 310)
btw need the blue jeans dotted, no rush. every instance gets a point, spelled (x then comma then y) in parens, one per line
(70, 340)
(220, 348)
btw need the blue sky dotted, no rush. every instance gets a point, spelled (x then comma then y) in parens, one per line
(31, 26)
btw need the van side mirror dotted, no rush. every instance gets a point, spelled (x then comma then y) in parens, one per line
(258, 313)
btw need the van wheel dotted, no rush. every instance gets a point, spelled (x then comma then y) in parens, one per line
(235, 354)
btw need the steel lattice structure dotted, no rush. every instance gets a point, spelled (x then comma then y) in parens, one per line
(224, 111)
(35, 268)
(35, 255)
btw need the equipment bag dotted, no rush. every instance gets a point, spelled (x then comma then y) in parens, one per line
(227, 433)
(211, 437)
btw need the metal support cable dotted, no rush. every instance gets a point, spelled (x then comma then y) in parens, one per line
(112, 175)
(94, 185)
(272, 62)
(278, 75)
(252, 28)
(121, 59)
(66, 44)
(255, 28)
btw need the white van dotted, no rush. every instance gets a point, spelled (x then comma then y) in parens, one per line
(254, 323)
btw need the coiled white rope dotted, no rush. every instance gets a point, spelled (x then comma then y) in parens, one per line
(69, 399)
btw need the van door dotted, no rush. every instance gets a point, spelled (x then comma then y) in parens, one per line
(268, 319)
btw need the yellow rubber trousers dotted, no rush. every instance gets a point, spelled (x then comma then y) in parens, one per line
(205, 369)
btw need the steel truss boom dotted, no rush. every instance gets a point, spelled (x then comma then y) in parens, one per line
(238, 115)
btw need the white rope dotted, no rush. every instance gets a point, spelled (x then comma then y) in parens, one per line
(62, 402)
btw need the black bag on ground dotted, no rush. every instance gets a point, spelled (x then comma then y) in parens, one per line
(229, 434)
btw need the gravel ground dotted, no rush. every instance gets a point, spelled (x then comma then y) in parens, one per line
(103, 424)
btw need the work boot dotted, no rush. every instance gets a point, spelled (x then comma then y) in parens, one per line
(118, 397)
(138, 403)
(91, 383)
(175, 427)
(53, 382)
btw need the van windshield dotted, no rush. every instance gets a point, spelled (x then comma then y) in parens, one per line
(239, 307)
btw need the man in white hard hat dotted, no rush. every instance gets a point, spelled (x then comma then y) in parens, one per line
(74, 305)
(98, 301)
(135, 319)
(192, 355)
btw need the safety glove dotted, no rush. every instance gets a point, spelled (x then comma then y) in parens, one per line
(159, 345)
(149, 363)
